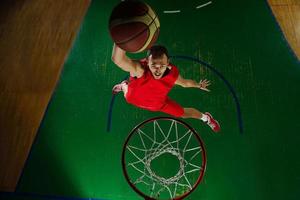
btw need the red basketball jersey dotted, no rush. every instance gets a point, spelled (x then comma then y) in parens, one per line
(150, 93)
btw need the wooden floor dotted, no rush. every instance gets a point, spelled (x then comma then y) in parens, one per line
(35, 38)
(287, 13)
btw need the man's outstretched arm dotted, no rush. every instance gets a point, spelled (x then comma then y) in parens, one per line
(120, 58)
(203, 84)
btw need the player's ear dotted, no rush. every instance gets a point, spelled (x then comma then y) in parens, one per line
(168, 60)
(169, 67)
(148, 57)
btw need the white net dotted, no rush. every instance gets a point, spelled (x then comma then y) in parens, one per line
(164, 158)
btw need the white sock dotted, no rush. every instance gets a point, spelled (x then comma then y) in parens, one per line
(204, 117)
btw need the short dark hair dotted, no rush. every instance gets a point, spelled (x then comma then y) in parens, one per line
(157, 51)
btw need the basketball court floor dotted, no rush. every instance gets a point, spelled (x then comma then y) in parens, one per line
(254, 95)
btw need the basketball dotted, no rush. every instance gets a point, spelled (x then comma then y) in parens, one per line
(134, 26)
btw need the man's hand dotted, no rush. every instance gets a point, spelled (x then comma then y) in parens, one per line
(203, 84)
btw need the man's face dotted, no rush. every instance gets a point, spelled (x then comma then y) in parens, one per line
(158, 66)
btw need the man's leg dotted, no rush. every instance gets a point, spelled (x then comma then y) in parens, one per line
(174, 109)
(192, 113)
(205, 117)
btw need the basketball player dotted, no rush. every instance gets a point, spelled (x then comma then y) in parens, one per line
(150, 81)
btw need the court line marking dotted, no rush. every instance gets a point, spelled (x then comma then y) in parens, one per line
(203, 5)
(171, 11)
(222, 77)
(42, 196)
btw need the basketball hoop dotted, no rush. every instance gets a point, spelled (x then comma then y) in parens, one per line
(163, 158)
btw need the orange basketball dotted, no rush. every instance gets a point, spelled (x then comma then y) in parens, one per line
(134, 26)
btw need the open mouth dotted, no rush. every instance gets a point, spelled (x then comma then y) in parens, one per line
(157, 74)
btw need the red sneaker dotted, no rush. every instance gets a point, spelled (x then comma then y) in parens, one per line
(118, 88)
(214, 124)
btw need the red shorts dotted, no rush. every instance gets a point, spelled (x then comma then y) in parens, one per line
(172, 108)
(169, 106)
